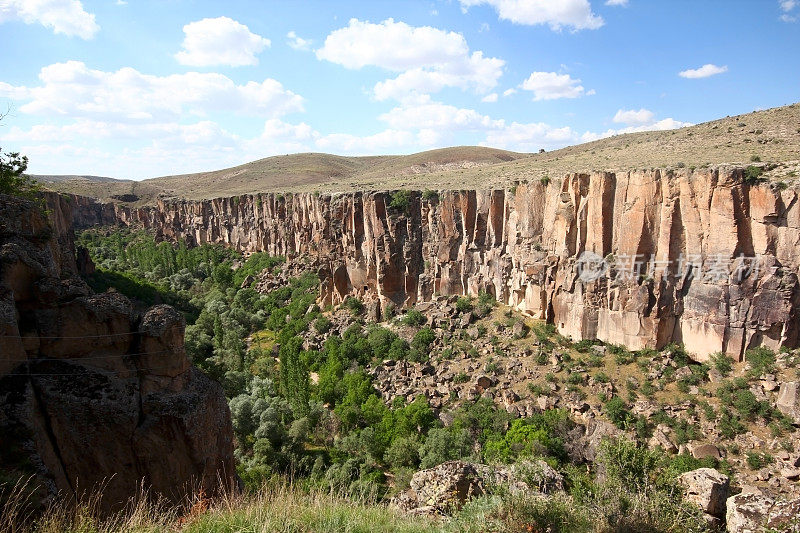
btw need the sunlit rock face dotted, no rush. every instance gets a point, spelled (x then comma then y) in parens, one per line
(641, 258)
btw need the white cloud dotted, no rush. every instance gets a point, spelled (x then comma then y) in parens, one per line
(703, 72)
(427, 114)
(388, 141)
(509, 92)
(169, 148)
(428, 59)
(72, 89)
(298, 43)
(663, 124)
(575, 14)
(630, 116)
(787, 6)
(621, 3)
(62, 16)
(220, 41)
(489, 98)
(530, 137)
(551, 86)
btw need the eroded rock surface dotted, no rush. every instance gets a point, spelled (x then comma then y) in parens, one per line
(92, 394)
(525, 247)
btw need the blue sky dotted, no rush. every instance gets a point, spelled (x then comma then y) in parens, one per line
(145, 88)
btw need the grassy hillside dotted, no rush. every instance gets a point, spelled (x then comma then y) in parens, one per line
(769, 136)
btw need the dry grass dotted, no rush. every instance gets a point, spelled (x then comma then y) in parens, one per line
(773, 136)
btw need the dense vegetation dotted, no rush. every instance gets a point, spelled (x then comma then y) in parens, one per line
(335, 432)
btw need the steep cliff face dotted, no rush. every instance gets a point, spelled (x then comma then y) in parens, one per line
(640, 258)
(91, 394)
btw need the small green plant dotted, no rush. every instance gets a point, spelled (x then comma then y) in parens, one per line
(722, 363)
(461, 377)
(413, 318)
(752, 175)
(401, 201)
(761, 359)
(430, 196)
(545, 180)
(757, 460)
(464, 304)
(355, 305)
(755, 159)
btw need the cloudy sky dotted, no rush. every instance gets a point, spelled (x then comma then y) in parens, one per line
(141, 88)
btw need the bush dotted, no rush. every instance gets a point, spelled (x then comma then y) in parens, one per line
(355, 305)
(722, 363)
(430, 196)
(413, 318)
(401, 201)
(464, 304)
(752, 175)
(617, 412)
(761, 359)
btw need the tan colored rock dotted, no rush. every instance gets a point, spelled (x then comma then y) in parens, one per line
(754, 513)
(789, 400)
(707, 488)
(524, 247)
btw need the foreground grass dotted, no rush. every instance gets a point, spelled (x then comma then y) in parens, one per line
(288, 509)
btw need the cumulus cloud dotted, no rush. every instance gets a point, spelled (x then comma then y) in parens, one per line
(530, 137)
(489, 98)
(621, 3)
(574, 14)
(72, 89)
(431, 115)
(637, 119)
(387, 141)
(428, 59)
(551, 86)
(220, 41)
(787, 7)
(298, 43)
(62, 16)
(631, 116)
(141, 150)
(705, 71)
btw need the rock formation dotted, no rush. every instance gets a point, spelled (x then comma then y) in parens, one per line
(641, 258)
(92, 394)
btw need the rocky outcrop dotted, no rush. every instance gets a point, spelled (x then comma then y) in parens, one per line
(446, 487)
(93, 395)
(642, 258)
(754, 512)
(707, 488)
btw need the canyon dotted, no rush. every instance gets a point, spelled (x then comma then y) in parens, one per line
(644, 258)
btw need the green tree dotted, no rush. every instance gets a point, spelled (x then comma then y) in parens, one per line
(13, 179)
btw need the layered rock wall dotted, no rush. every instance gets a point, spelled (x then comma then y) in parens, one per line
(696, 257)
(95, 397)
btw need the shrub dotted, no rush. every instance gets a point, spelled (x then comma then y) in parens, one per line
(413, 318)
(430, 196)
(755, 159)
(401, 200)
(617, 412)
(722, 363)
(761, 359)
(322, 325)
(464, 304)
(545, 180)
(355, 305)
(752, 175)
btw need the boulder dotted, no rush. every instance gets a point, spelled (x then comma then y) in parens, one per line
(707, 488)
(789, 400)
(754, 513)
(446, 487)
